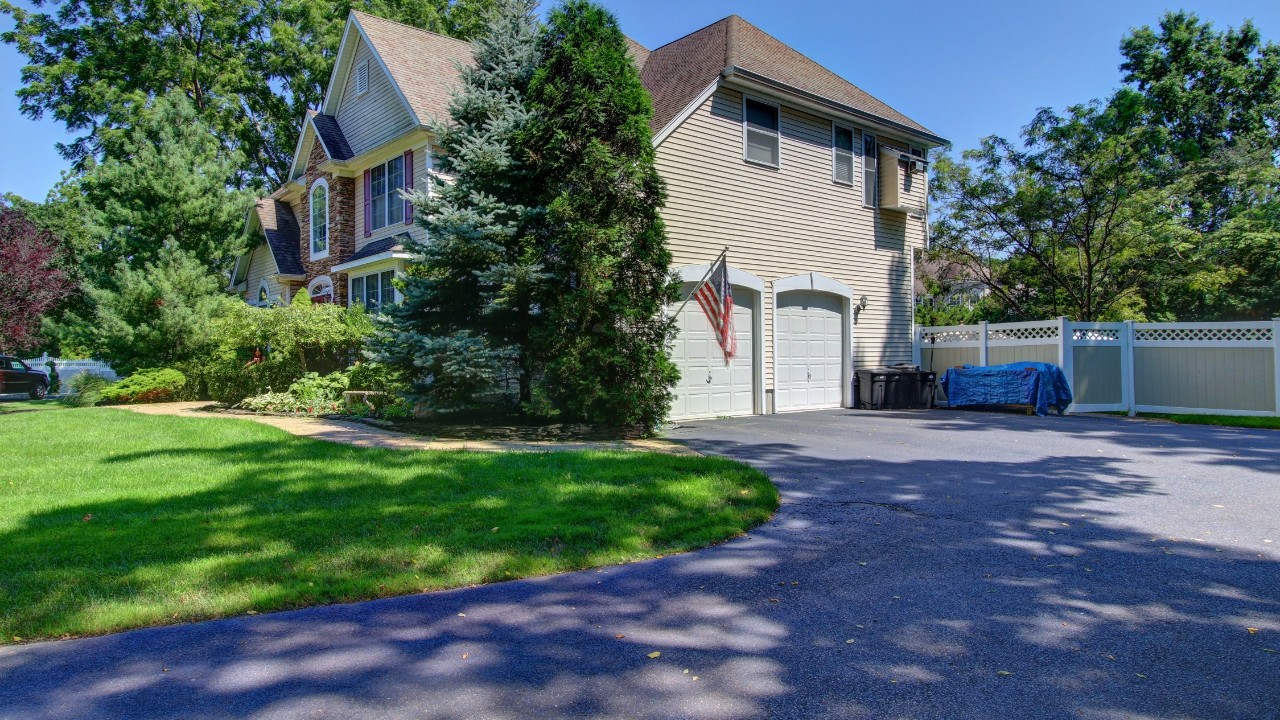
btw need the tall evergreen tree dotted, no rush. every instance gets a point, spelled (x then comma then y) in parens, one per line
(463, 326)
(603, 333)
(165, 228)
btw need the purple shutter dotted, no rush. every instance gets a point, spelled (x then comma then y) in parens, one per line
(368, 215)
(408, 185)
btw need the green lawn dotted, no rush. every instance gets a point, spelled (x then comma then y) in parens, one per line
(112, 520)
(1244, 421)
(13, 406)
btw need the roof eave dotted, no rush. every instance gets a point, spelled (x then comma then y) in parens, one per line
(749, 77)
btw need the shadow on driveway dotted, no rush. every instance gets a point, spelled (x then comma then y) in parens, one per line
(938, 565)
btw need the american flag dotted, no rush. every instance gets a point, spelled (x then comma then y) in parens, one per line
(716, 299)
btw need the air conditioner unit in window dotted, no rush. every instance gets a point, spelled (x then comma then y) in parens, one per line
(918, 165)
(901, 189)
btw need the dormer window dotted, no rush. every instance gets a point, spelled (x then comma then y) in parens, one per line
(319, 220)
(362, 77)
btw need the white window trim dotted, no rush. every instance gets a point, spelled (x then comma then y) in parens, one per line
(397, 298)
(393, 194)
(320, 281)
(862, 167)
(778, 134)
(853, 168)
(327, 221)
(362, 65)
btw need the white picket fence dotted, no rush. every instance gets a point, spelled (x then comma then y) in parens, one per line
(1220, 368)
(68, 369)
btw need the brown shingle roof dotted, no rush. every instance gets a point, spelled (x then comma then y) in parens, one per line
(677, 72)
(281, 230)
(421, 63)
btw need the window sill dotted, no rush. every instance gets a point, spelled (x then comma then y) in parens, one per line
(766, 165)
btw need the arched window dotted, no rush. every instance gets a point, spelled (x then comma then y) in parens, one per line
(321, 290)
(264, 298)
(320, 220)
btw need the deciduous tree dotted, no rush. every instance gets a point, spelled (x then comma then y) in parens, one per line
(31, 283)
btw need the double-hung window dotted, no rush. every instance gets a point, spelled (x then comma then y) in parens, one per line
(842, 155)
(385, 182)
(761, 142)
(374, 290)
(870, 179)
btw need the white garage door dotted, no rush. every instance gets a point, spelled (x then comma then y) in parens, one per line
(708, 387)
(810, 349)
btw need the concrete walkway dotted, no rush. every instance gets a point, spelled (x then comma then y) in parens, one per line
(362, 435)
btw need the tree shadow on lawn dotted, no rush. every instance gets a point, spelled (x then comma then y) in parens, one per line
(299, 523)
(969, 590)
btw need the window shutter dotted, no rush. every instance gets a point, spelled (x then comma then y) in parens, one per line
(368, 216)
(408, 185)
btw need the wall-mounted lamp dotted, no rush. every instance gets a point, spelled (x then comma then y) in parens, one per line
(862, 303)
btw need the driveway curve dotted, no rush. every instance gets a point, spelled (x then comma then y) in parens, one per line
(923, 565)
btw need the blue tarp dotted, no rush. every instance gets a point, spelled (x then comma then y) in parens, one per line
(1041, 385)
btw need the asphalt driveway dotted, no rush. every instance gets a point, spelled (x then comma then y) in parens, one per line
(927, 565)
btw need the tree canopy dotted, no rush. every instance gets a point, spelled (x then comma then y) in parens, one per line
(250, 68)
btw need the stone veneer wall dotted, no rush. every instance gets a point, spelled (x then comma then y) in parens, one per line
(342, 224)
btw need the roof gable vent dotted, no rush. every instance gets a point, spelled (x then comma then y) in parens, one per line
(362, 77)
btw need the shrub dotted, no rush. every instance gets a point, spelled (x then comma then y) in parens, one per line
(55, 382)
(146, 386)
(376, 377)
(86, 390)
(316, 389)
(287, 402)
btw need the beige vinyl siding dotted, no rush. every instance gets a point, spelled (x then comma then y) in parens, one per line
(788, 221)
(377, 116)
(419, 183)
(262, 265)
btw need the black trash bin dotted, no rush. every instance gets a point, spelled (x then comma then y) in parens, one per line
(895, 388)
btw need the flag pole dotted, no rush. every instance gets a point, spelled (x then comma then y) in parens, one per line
(701, 282)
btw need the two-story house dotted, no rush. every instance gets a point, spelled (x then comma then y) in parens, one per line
(817, 189)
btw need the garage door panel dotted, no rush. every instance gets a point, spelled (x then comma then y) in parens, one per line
(707, 386)
(810, 350)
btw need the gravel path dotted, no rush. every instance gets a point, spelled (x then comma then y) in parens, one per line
(364, 435)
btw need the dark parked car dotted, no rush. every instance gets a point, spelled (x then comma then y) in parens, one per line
(16, 377)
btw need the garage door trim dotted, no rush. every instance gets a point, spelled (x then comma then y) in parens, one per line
(817, 282)
(742, 280)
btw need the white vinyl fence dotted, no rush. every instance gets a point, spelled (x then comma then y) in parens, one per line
(1220, 368)
(68, 369)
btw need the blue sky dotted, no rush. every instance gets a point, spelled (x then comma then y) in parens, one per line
(963, 69)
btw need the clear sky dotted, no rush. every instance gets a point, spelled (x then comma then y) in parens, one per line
(963, 69)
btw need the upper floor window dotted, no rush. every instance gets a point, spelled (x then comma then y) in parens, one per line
(870, 179)
(319, 220)
(384, 206)
(841, 155)
(761, 141)
(263, 297)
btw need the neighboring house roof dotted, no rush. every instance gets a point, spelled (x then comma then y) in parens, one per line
(423, 64)
(335, 143)
(677, 73)
(281, 230)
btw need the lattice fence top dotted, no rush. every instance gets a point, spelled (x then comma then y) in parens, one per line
(943, 337)
(1079, 334)
(1226, 334)
(1035, 332)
